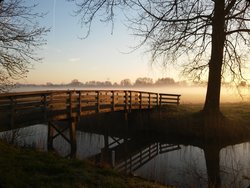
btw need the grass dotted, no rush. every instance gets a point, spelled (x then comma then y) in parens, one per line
(234, 111)
(239, 112)
(186, 122)
(21, 167)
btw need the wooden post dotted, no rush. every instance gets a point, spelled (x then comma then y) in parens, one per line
(72, 128)
(126, 101)
(157, 100)
(140, 98)
(130, 100)
(45, 106)
(113, 100)
(70, 104)
(105, 149)
(50, 104)
(149, 100)
(50, 136)
(160, 100)
(72, 132)
(79, 104)
(178, 100)
(98, 101)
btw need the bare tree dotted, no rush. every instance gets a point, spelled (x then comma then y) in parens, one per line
(20, 37)
(165, 81)
(126, 82)
(212, 35)
(145, 81)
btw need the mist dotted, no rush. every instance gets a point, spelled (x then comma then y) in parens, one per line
(189, 94)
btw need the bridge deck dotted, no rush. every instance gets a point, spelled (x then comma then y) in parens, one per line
(26, 108)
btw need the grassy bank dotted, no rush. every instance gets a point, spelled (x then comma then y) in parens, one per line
(186, 124)
(28, 168)
(239, 112)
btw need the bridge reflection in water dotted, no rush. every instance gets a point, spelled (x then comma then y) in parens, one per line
(128, 155)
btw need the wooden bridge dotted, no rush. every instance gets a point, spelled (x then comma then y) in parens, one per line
(28, 108)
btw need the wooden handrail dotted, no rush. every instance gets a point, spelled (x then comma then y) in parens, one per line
(40, 106)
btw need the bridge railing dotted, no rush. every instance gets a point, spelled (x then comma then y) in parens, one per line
(39, 106)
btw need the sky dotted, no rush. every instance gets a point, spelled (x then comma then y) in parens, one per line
(102, 56)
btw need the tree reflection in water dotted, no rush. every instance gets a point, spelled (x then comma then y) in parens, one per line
(140, 154)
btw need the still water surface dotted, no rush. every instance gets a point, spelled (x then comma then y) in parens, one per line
(181, 165)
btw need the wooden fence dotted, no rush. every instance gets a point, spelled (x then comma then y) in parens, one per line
(40, 106)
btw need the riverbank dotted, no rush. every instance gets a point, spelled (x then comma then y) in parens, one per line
(189, 125)
(22, 167)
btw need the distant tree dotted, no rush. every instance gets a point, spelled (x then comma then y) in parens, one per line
(49, 84)
(165, 81)
(126, 82)
(90, 83)
(20, 37)
(115, 84)
(213, 35)
(99, 83)
(143, 81)
(75, 82)
(107, 83)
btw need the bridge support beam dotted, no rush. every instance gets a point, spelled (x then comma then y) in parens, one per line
(66, 131)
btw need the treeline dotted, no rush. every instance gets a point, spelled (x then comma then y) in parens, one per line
(142, 81)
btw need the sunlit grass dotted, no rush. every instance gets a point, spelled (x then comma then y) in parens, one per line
(237, 111)
(234, 111)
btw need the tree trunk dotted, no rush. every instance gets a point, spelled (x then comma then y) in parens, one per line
(212, 102)
(212, 157)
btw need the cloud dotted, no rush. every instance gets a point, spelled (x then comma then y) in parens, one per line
(74, 59)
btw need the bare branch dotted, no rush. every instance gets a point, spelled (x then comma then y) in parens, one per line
(174, 29)
(20, 37)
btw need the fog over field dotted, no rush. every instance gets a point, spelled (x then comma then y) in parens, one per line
(189, 94)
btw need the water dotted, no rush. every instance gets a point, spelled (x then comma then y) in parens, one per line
(172, 164)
